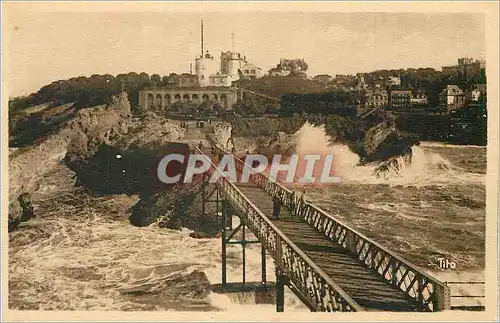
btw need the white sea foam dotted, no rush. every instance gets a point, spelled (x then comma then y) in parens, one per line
(426, 168)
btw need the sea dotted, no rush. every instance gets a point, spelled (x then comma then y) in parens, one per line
(81, 252)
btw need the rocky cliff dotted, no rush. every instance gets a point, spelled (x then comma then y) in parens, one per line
(79, 137)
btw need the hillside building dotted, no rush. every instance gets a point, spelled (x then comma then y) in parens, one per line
(286, 67)
(451, 98)
(400, 98)
(322, 78)
(418, 97)
(376, 98)
(466, 69)
(211, 81)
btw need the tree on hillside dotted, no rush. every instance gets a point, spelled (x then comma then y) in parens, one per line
(217, 108)
(156, 79)
(164, 80)
(121, 77)
(249, 106)
(184, 107)
(177, 107)
(144, 77)
(92, 97)
(133, 76)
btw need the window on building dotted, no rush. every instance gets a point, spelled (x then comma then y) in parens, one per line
(253, 71)
(202, 77)
(246, 72)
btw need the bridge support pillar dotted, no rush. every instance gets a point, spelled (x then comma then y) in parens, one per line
(228, 237)
(280, 290)
(243, 245)
(263, 262)
(224, 212)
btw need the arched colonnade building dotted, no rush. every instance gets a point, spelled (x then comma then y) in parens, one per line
(164, 97)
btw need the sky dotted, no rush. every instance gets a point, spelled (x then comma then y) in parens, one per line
(49, 45)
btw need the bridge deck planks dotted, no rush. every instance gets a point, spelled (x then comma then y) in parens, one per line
(363, 284)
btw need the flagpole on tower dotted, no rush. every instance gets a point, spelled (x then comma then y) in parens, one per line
(201, 37)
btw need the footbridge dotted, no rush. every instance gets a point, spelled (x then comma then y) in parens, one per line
(329, 265)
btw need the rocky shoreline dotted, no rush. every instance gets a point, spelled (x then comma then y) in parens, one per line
(112, 152)
(109, 153)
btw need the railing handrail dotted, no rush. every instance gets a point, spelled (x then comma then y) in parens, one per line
(294, 247)
(397, 257)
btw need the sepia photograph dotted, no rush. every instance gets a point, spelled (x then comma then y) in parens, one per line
(264, 160)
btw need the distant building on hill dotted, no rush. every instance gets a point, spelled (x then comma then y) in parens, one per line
(393, 81)
(322, 78)
(474, 94)
(466, 69)
(251, 71)
(376, 98)
(418, 96)
(399, 98)
(231, 62)
(211, 81)
(451, 98)
(289, 67)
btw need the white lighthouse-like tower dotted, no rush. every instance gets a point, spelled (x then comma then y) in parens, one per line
(205, 64)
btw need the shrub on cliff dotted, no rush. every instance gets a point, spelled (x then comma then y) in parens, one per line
(335, 102)
(88, 91)
(92, 97)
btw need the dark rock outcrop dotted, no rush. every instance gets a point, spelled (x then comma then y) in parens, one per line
(126, 170)
(175, 208)
(26, 207)
(20, 210)
(15, 213)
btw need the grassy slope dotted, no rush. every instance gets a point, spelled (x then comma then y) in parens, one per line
(276, 86)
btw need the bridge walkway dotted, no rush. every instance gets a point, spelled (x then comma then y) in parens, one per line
(363, 284)
(330, 265)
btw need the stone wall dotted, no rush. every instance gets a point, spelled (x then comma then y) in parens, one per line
(161, 98)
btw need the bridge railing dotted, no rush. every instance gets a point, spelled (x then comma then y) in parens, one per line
(430, 293)
(311, 282)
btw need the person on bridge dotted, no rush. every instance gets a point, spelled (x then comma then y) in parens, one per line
(276, 207)
(293, 205)
(302, 201)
